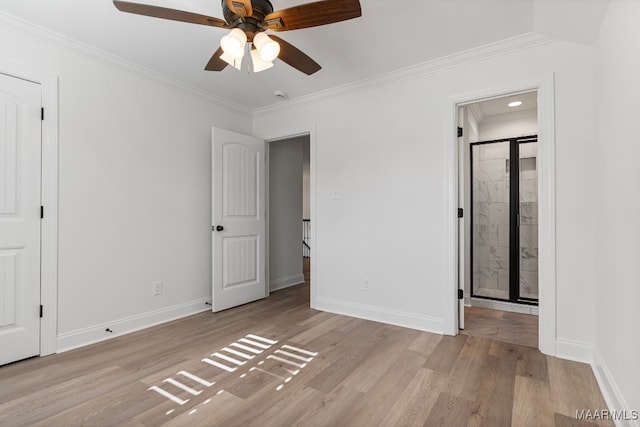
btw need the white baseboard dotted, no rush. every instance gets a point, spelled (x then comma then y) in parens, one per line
(574, 350)
(285, 282)
(377, 314)
(82, 337)
(611, 392)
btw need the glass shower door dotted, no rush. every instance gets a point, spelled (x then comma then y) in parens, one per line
(504, 226)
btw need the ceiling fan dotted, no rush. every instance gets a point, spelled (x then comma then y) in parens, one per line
(248, 20)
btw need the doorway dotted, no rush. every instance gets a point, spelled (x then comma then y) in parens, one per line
(289, 219)
(499, 236)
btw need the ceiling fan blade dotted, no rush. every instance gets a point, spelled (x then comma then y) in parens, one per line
(241, 8)
(295, 57)
(215, 63)
(313, 14)
(171, 14)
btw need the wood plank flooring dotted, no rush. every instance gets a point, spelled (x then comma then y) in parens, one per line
(364, 374)
(514, 328)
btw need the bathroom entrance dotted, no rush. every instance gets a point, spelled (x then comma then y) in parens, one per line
(498, 233)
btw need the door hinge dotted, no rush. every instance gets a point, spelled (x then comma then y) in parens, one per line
(460, 294)
(42, 113)
(460, 213)
(41, 212)
(459, 131)
(41, 310)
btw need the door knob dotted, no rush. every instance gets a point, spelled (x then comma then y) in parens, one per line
(219, 228)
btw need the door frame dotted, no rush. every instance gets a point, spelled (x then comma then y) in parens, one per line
(544, 85)
(312, 206)
(49, 199)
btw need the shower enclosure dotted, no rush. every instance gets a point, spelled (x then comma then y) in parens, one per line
(504, 226)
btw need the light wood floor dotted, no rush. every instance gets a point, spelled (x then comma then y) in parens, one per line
(364, 374)
(514, 328)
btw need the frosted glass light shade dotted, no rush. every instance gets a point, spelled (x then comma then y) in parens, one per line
(233, 43)
(258, 63)
(267, 48)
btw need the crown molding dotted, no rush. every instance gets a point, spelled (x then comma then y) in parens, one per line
(503, 47)
(52, 38)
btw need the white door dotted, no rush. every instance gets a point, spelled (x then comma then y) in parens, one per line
(20, 152)
(461, 226)
(238, 219)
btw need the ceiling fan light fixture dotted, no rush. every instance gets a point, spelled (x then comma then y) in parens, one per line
(268, 49)
(233, 43)
(258, 63)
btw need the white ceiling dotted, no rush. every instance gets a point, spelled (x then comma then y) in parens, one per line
(497, 106)
(390, 35)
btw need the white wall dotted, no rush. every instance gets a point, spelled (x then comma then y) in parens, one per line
(383, 147)
(306, 179)
(285, 212)
(134, 190)
(617, 201)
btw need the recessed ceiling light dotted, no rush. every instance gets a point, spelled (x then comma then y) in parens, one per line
(515, 104)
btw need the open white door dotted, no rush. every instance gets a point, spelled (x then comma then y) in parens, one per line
(20, 170)
(238, 215)
(461, 227)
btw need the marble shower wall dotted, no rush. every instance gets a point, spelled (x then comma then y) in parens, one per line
(528, 220)
(490, 186)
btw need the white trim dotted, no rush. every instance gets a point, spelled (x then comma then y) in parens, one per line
(313, 253)
(613, 397)
(41, 34)
(574, 350)
(267, 210)
(286, 282)
(504, 306)
(544, 85)
(377, 314)
(502, 47)
(49, 236)
(82, 337)
(451, 155)
(547, 215)
(49, 199)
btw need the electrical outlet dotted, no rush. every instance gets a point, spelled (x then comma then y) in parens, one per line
(157, 288)
(366, 285)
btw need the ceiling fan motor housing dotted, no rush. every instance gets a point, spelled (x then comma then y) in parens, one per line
(253, 24)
